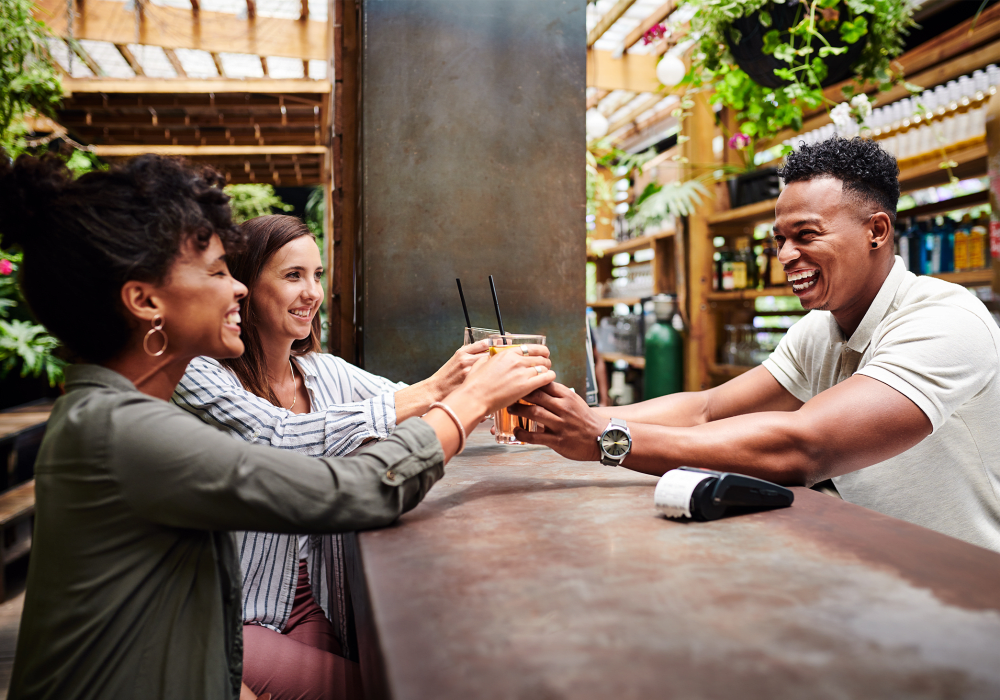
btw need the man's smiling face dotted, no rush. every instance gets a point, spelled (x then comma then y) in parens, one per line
(824, 243)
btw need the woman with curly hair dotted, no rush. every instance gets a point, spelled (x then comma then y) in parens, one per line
(133, 586)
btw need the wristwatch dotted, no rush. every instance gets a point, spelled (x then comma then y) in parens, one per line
(615, 443)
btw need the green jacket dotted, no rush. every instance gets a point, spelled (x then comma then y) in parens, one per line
(134, 586)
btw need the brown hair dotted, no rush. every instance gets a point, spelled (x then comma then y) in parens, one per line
(265, 236)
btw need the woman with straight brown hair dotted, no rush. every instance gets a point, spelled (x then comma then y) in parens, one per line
(283, 392)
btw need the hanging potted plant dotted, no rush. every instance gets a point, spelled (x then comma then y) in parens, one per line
(768, 61)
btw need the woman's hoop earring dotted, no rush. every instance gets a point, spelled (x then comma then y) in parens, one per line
(157, 328)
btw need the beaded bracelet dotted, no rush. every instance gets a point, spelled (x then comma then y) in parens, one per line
(458, 424)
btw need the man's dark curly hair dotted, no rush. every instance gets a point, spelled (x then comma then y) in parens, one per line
(870, 175)
(84, 239)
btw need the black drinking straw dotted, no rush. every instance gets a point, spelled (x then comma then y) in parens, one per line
(496, 305)
(465, 309)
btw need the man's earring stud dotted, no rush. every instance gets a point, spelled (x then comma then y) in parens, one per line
(874, 245)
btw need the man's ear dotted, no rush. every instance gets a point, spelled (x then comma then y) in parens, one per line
(141, 301)
(880, 230)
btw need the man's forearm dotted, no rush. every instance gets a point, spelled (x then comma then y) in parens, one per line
(678, 410)
(760, 444)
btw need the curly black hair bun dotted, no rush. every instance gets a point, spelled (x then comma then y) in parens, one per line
(868, 172)
(28, 187)
(85, 238)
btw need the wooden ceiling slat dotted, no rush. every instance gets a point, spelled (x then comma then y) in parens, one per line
(180, 28)
(604, 24)
(131, 60)
(659, 15)
(175, 62)
(77, 48)
(151, 86)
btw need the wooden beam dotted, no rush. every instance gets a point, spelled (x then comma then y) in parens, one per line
(130, 59)
(77, 48)
(645, 105)
(604, 24)
(217, 60)
(263, 65)
(268, 86)
(659, 15)
(180, 28)
(175, 62)
(125, 151)
(634, 72)
(305, 68)
(596, 97)
(700, 348)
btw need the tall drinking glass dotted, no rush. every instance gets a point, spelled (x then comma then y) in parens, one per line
(474, 335)
(504, 421)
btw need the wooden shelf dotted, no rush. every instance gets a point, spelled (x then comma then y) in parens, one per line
(925, 169)
(970, 278)
(609, 303)
(964, 202)
(729, 371)
(748, 215)
(631, 245)
(913, 172)
(633, 360)
(742, 294)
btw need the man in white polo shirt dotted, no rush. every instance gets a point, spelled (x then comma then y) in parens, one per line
(890, 385)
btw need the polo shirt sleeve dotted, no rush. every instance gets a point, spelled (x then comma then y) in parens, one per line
(939, 358)
(787, 363)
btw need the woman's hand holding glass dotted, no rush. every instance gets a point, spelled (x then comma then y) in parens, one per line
(492, 384)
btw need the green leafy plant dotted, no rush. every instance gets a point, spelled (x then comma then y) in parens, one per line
(606, 164)
(25, 346)
(28, 79)
(657, 201)
(802, 52)
(253, 200)
(29, 346)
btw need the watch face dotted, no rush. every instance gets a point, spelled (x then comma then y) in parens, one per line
(615, 442)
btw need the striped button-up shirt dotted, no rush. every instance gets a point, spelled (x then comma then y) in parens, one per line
(348, 406)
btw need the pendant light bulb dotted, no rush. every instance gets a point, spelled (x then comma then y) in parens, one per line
(670, 70)
(597, 125)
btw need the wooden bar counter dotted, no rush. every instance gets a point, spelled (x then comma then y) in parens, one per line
(524, 575)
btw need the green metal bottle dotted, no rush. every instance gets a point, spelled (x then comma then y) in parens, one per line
(664, 352)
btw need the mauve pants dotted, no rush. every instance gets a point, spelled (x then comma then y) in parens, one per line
(303, 662)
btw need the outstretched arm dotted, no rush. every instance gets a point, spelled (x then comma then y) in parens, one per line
(755, 391)
(855, 424)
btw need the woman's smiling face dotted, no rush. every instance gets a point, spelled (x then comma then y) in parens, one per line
(288, 292)
(200, 303)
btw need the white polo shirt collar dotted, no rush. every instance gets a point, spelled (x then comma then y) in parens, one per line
(861, 337)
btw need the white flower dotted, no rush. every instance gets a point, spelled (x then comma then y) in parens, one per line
(841, 116)
(863, 106)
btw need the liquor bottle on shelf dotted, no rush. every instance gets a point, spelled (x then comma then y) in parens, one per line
(979, 244)
(962, 235)
(774, 271)
(724, 265)
(919, 255)
(947, 246)
(740, 264)
(904, 234)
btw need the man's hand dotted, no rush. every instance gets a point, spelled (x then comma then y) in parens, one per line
(571, 427)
